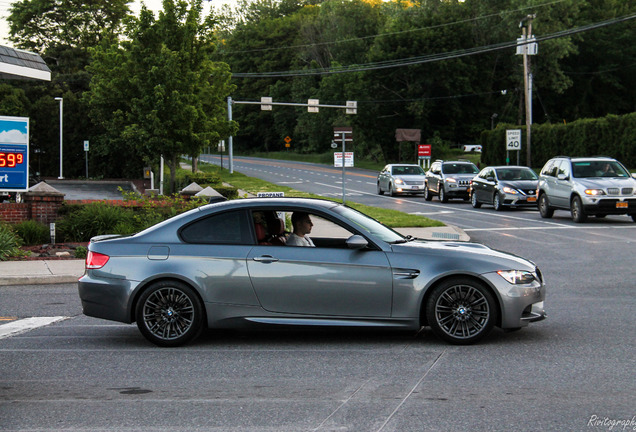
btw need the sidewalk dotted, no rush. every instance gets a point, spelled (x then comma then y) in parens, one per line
(38, 272)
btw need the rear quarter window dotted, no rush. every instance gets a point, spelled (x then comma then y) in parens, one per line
(224, 228)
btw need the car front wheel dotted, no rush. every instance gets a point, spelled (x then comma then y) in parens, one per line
(442, 195)
(427, 193)
(576, 208)
(461, 311)
(496, 202)
(473, 200)
(169, 314)
(544, 207)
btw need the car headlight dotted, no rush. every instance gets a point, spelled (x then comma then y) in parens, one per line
(399, 181)
(594, 192)
(509, 190)
(451, 180)
(516, 277)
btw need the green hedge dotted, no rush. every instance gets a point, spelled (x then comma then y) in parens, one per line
(613, 136)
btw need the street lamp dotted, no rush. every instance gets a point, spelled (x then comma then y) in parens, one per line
(61, 101)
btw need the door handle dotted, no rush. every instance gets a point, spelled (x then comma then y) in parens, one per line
(265, 259)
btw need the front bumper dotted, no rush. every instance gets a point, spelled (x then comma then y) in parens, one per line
(520, 304)
(519, 200)
(454, 190)
(609, 206)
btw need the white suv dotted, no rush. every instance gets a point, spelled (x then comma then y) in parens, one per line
(598, 186)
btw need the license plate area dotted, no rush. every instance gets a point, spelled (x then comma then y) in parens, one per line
(532, 199)
(622, 204)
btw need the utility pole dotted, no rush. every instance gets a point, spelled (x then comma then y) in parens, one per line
(527, 82)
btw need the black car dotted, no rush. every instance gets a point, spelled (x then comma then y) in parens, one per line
(504, 186)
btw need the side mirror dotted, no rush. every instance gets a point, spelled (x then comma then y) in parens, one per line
(357, 242)
(490, 179)
(634, 175)
(562, 177)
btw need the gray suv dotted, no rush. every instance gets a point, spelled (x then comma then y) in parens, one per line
(449, 179)
(585, 186)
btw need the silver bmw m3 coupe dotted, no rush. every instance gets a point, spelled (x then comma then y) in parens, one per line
(229, 265)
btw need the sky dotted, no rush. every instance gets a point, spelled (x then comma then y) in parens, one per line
(135, 6)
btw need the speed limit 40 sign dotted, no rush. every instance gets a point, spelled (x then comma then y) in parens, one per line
(513, 139)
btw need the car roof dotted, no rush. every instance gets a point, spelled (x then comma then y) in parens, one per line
(315, 203)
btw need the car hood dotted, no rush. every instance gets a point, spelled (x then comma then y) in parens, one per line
(461, 176)
(604, 183)
(462, 252)
(521, 184)
(414, 177)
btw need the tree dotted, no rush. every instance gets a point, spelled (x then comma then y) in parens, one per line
(38, 25)
(158, 92)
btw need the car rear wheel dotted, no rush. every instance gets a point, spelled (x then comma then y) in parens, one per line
(577, 211)
(169, 314)
(380, 191)
(496, 202)
(427, 193)
(461, 311)
(442, 195)
(544, 207)
(473, 200)
(634, 217)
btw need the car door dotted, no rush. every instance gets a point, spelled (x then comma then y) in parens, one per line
(480, 185)
(562, 189)
(434, 178)
(383, 178)
(328, 281)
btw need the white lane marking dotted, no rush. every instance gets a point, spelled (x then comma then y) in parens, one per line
(27, 324)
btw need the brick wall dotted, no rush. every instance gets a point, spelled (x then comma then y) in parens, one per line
(14, 212)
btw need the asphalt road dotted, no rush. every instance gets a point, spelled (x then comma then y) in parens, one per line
(573, 371)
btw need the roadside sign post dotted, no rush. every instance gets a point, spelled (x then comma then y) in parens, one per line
(86, 154)
(345, 134)
(424, 154)
(513, 143)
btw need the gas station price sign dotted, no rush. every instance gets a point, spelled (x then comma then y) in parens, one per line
(14, 154)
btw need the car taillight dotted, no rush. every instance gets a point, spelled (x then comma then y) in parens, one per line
(95, 260)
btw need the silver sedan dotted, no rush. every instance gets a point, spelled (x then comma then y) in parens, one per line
(227, 265)
(401, 179)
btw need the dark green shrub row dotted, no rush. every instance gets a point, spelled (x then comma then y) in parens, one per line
(613, 136)
(32, 232)
(9, 242)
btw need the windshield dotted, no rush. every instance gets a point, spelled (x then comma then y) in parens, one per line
(408, 170)
(369, 225)
(459, 168)
(516, 174)
(585, 169)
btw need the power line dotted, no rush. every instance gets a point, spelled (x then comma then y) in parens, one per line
(431, 57)
(391, 33)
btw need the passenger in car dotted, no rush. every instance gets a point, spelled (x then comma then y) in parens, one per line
(302, 225)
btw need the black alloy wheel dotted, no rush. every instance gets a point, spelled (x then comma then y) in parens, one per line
(461, 311)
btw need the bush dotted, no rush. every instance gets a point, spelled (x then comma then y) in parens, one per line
(91, 220)
(9, 243)
(33, 233)
(81, 252)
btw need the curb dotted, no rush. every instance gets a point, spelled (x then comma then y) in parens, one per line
(38, 280)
